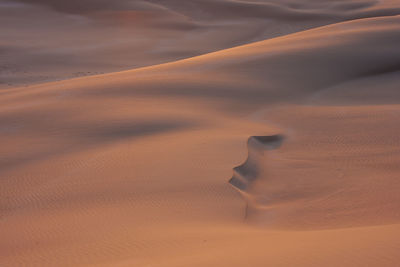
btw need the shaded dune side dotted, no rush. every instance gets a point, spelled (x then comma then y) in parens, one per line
(312, 14)
(279, 10)
(227, 9)
(246, 173)
(81, 136)
(84, 6)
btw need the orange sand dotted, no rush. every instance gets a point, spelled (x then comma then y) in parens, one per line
(132, 168)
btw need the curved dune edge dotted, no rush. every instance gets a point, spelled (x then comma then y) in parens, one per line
(246, 173)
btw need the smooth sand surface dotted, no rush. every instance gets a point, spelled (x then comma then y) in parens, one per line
(300, 100)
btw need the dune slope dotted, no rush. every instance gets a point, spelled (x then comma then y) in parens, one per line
(132, 168)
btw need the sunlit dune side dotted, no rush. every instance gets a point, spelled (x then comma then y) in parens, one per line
(132, 168)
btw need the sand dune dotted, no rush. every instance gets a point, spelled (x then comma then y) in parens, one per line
(81, 38)
(132, 168)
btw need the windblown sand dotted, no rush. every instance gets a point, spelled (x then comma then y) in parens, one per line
(132, 165)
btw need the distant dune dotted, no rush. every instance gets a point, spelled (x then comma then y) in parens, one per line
(43, 40)
(199, 133)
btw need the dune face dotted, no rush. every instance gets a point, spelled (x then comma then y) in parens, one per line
(128, 160)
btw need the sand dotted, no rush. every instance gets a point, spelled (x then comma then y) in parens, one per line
(199, 133)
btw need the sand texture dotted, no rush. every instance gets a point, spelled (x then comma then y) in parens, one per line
(199, 133)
